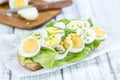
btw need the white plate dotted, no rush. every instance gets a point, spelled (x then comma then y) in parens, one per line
(9, 49)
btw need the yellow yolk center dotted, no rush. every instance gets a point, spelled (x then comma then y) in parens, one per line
(77, 41)
(76, 24)
(19, 3)
(52, 30)
(52, 41)
(67, 42)
(85, 24)
(30, 46)
(99, 32)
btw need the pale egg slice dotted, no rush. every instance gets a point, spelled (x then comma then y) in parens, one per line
(18, 3)
(60, 25)
(29, 47)
(30, 13)
(85, 24)
(54, 30)
(100, 33)
(40, 35)
(74, 25)
(53, 40)
(63, 55)
(77, 43)
(89, 36)
(67, 44)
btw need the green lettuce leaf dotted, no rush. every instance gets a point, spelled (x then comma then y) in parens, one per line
(46, 57)
(65, 21)
(72, 57)
(50, 24)
(90, 22)
(27, 60)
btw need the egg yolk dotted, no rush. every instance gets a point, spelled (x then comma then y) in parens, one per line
(77, 41)
(99, 32)
(30, 46)
(52, 41)
(67, 42)
(76, 24)
(85, 24)
(19, 3)
(52, 30)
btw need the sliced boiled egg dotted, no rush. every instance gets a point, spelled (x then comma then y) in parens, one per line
(100, 33)
(40, 35)
(77, 43)
(53, 40)
(64, 54)
(89, 36)
(29, 47)
(30, 13)
(85, 24)
(60, 25)
(60, 49)
(74, 25)
(18, 3)
(54, 30)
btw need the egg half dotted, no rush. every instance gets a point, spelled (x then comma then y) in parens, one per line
(29, 47)
(53, 41)
(89, 35)
(74, 25)
(77, 43)
(100, 33)
(60, 25)
(18, 3)
(30, 13)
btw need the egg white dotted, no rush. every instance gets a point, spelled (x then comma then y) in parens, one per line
(76, 50)
(58, 36)
(23, 53)
(30, 13)
(63, 55)
(60, 25)
(85, 24)
(100, 38)
(75, 23)
(89, 36)
(43, 35)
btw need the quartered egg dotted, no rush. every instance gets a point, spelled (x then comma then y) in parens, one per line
(89, 36)
(77, 43)
(18, 3)
(29, 47)
(53, 40)
(100, 33)
(60, 25)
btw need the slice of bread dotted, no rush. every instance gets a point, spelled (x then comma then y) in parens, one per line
(29, 66)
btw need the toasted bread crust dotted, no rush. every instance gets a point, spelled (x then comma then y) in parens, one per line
(29, 66)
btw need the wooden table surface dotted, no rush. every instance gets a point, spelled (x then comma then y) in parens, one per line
(104, 67)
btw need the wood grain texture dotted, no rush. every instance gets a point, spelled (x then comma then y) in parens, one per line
(18, 22)
(105, 67)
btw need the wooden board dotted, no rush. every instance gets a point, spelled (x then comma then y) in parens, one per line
(19, 22)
